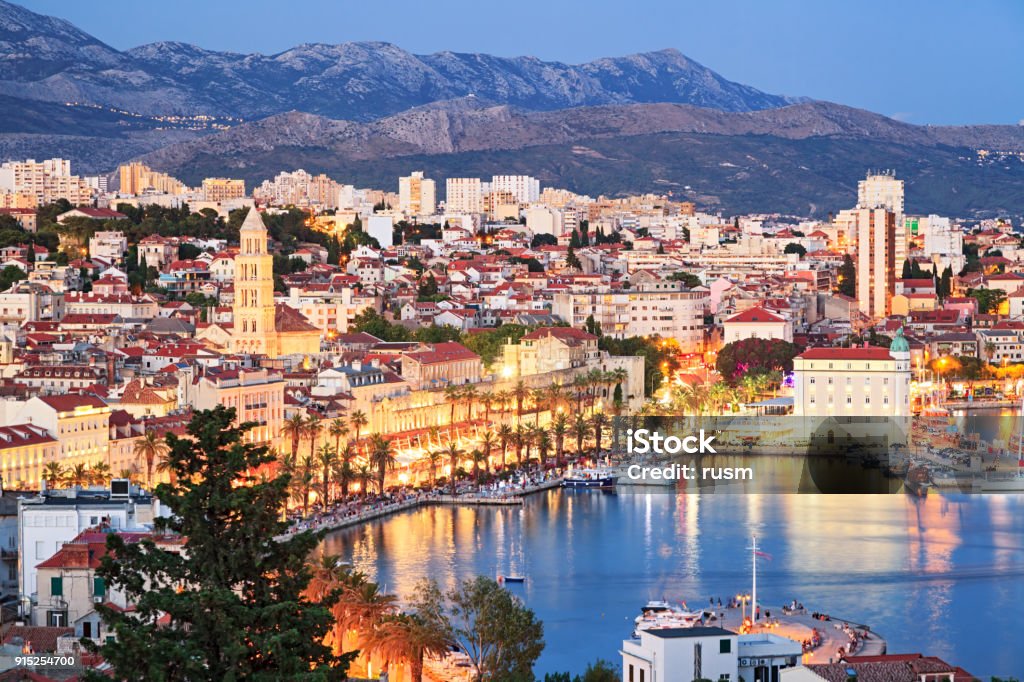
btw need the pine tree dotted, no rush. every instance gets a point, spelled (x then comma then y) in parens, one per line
(572, 260)
(230, 605)
(848, 277)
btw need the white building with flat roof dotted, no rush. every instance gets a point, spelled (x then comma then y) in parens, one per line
(696, 653)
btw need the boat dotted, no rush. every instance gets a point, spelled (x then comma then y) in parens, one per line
(660, 615)
(590, 478)
(511, 579)
(918, 481)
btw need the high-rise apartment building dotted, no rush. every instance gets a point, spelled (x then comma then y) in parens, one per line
(298, 188)
(417, 195)
(882, 190)
(464, 195)
(876, 260)
(523, 188)
(138, 178)
(223, 189)
(46, 181)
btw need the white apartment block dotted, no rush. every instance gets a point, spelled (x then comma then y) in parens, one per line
(47, 181)
(523, 188)
(110, 246)
(417, 195)
(853, 382)
(463, 195)
(670, 314)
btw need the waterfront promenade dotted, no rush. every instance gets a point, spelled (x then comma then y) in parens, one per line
(338, 519)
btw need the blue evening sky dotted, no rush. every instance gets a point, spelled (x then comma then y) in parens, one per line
(922, 61)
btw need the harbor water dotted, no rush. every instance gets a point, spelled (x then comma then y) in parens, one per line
(942, 575)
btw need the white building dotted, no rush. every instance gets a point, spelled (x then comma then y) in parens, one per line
(881, 190)
(381, 228)
(855, 382)
(757, 323)
(464, 195)
(109, 246)
(417, 195)
(47, 521)
(523, 188)
(681, 654)
(670, 314)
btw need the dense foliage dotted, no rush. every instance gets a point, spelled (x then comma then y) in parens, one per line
(755, 356)
(230, 605)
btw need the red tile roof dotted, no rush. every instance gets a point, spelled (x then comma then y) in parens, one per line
(869, 353)
(756, 315)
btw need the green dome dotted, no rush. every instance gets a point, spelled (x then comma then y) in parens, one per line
(899, 343)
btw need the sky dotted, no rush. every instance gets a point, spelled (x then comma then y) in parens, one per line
(921, 61)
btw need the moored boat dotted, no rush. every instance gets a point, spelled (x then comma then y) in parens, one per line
(590, 478)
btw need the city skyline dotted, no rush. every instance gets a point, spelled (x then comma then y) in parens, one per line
(929, 69)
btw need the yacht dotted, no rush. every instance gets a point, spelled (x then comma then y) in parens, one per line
(590, 478)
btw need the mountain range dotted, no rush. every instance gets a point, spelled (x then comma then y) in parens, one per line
(367, 112)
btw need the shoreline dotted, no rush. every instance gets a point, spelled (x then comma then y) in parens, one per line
(513, 498)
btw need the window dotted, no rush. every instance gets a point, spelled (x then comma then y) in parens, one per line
(812, 381)
(99, 587)
(41, 550)
(725, 646)
(630, 672)
(57, 587)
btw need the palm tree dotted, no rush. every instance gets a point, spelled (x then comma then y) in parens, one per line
(581, 430)
(487, 441)
(363, 606)
(543, 442)
(364, 474)
(487, 400)
(477, 456)
(53, 474)
(505, 436)
(528, 436)
(559, 428)
(453, 452)
(382, 456)
(326, 458)
(294, 428)
(407, 637)
(433, 458)
(128, 474)
(469, 395)
(502, 398)
(519, 394)
(539, 395)
(343, 474)
(338, 429)
(453, 394)
(99, 474)
(77, 475)
(314, 427)
(357, 420)
(599, 420)
(166, 465)
(556, 397)
(519, 439)
(150, 447)
(305, 481)
(579, 387)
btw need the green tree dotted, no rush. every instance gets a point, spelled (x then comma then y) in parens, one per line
(572, 260)
(9, 275)
(230, 604)
(989, 300)
(499, 634)
(794, 247)
(755, 356)
(848, 277)
(688, 279)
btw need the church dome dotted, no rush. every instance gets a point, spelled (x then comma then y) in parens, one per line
(899, 343)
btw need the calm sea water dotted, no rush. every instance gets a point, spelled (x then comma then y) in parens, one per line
(944, 575)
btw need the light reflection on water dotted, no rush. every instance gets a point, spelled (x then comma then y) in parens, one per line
(944, 575)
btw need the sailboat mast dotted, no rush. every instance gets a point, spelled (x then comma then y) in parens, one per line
(753, 592)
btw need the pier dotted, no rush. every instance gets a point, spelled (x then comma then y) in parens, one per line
(835, 642)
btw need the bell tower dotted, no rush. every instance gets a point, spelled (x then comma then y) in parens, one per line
(253, 309)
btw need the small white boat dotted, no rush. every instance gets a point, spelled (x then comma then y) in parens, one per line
(590, 478)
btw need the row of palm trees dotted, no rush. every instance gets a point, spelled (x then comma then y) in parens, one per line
(368, 620)
(714, 398)
(56, 474)
(585, 389)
